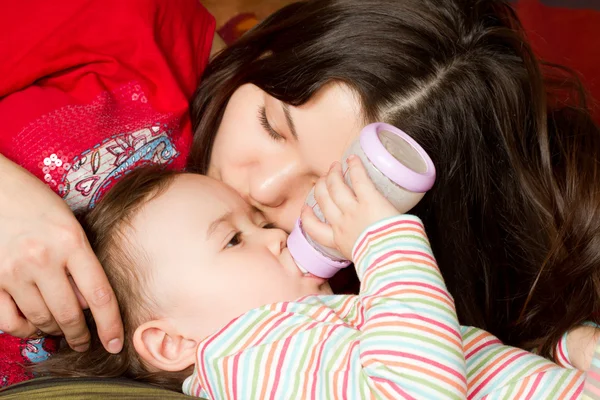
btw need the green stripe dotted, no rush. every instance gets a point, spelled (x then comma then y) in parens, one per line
(428, 383)
(260, 353)
(419, 337)
(470, 332)
(302, 364)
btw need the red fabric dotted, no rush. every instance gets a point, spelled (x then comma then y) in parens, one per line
(89, 89)
(566, 36)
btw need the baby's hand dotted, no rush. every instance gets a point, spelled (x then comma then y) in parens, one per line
(348, 211)
(581, 344)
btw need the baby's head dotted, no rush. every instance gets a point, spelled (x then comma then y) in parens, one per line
(185, 254)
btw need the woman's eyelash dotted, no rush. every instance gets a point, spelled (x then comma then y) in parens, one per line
(262, 116)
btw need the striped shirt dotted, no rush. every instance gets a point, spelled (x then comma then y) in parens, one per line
(398, 339)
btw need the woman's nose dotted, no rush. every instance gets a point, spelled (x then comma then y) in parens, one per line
(271, 184)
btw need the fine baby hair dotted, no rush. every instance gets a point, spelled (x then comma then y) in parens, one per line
(105, 226)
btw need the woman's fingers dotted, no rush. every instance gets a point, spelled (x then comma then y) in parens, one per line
(11, 321)
(88, 275)
(62, 303)
(34, 308)
(319, 231)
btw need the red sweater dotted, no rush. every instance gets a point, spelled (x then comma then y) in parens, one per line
(89, 89)
(94, 87)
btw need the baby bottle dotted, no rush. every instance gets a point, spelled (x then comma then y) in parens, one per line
(400, 169)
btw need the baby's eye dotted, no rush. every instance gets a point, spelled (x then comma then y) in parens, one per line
(235, 240)
(269, 226)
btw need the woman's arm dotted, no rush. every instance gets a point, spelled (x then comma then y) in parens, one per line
(41, 245)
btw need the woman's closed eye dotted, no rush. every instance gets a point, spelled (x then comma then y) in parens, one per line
(264, 121)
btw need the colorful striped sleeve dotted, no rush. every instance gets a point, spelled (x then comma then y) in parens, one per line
(399, 339)
(497, 371)
(411, 344)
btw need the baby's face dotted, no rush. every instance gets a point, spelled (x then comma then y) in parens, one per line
(213, 257)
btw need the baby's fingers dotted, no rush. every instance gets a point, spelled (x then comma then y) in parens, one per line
(340, 192)
(330, 210)
(319, 231)
(364, 188)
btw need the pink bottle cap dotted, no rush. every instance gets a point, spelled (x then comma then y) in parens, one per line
(311, 259)
(388, 165)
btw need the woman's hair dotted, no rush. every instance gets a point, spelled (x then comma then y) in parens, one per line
(514, 217)
(106, 228)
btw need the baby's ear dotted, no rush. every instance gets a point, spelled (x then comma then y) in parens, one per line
(160, 345)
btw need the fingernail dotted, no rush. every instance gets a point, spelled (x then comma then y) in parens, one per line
(350, 158)
(82, 348)
(115, 346)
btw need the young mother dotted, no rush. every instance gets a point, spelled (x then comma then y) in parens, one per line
(513, 217)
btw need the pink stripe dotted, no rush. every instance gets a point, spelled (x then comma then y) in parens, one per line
(201, 359)
(402, 354)
(535, 386)
(275, 325)
(483, 346)
(592, 389)
(578, 392)
(286, 345)
(348, 368)
(496, 371)
(234, 383)
(410, 283)
(385, 227)
(564, 360)
(394, 387)
(593, 374)
(419, 317)
(389, 254)
(313, 389)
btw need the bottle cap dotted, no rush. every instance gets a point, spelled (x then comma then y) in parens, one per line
(309, 258)
(391, 167)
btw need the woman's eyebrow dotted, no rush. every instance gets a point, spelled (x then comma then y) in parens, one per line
(290, 121)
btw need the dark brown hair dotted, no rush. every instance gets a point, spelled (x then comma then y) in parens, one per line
(106, 228)
(514, 217)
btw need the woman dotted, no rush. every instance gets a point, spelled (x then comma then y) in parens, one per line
(277, 108)
(514, 216)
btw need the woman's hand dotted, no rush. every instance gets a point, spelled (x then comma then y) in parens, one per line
(43, 249)
(348, 211)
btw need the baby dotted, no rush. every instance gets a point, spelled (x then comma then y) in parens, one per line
(204, 281)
